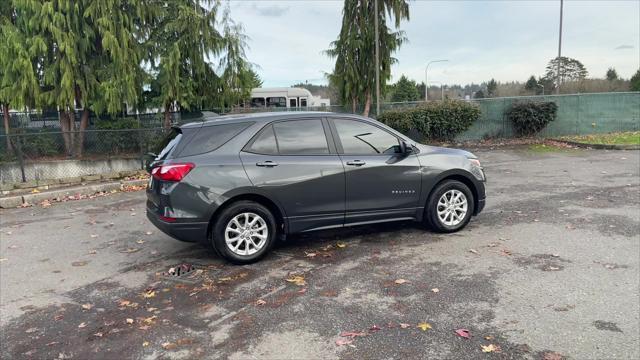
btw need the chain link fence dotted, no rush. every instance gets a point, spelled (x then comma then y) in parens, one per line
(50, 154)
(37, 149)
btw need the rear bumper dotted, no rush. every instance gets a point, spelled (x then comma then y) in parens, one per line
(180, 230)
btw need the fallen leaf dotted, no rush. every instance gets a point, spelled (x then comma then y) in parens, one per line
(298, 280)
(87, 306)
(140, 241)
(79, 263)
(302, 291)
(52, 343)
(149, 294)
(129, 250)
(310, 255)
(374, 328)
(144, 327)
(341, 342)
(145, 344)
(505, 252)
(405, 325)
(94, 235)
(92, 252)
(490, 348)
(473, 251)
(424, 326)
(98, 334)
(149, 233)
(488, 337)
(35, 191)
(341, 245)
(129, 321)
(463, 333)
(82, 325)
(31, 330)
(352, 334)
(58, 317)
(169, 346)
(150, 320)
(435, 290)
(260, 302)
(401, 281)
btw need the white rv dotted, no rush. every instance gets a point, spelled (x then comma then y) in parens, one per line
(286, 98)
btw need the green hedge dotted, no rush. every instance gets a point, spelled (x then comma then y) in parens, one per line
(531, 117)
(442, 120)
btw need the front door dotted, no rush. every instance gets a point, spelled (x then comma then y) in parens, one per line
(381, 183)
(295, 163)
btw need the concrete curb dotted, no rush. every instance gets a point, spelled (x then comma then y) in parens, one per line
(34, 198)
(598, 146)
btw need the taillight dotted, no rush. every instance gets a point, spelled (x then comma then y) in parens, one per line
(172, 172)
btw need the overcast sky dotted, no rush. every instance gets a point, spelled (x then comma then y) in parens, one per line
(505, 40)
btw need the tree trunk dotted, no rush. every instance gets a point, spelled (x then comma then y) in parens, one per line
(167, 116)
(84, 123)
(7, 124)
(353, 105)
(65, 128)
(367, 104)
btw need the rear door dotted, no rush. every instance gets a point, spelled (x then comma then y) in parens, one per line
(295, 163)
(381, 183)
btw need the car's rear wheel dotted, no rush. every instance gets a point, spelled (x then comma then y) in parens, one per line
(450, 206)
(244, 232)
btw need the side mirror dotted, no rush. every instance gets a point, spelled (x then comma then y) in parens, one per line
(405, 148)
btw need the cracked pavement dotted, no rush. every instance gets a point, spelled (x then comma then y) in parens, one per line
(550, 270)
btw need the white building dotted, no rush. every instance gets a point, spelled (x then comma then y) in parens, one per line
(286, 97)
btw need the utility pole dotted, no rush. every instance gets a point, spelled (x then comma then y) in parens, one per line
(559, 51)
(377, 58)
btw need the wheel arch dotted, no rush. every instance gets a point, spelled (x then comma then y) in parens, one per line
(261, 199)
(460, 175)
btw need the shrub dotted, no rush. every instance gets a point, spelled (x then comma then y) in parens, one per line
(435, 120)
(529, 118)
(39, 143)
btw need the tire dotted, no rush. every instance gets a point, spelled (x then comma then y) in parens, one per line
(247, 236)
(450, 223)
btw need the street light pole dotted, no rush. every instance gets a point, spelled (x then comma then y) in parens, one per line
(377, 58)
(559, 50)
(426, 78)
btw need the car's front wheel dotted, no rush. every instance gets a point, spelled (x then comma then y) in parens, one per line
(244, 232)
(450, 206)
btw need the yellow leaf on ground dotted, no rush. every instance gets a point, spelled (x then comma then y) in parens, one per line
(424, 326)
(341, 245)
(129, 321)
(298, 280)
(401, 281)
(435, 290)
(145, 344)
(490, 348)
(149, 294)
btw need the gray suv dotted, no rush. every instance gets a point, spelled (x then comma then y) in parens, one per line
(239, 182)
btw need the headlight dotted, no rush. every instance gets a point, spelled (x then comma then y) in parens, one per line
(476, 169)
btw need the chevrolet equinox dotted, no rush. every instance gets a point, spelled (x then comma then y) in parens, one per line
(239, 182)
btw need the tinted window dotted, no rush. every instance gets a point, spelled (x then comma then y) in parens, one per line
(209, 138)
(265, 143)
(361, 138)
(301, 137)
(277, 101)
(168, 143)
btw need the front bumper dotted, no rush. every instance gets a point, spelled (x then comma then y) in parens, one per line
(180, 230)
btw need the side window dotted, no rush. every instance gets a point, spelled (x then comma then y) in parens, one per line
(359, 138)
(211, 137)
(277, 102)
(301, 137)
(303, 102)
(265, 143)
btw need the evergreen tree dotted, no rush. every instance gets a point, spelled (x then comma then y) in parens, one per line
(612, 74)
(532, 85)
(354, 50)
(634, 82)
(405, 90)
(492, 88)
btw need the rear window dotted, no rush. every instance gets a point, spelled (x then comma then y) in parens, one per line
(168, 143)
(209, 138)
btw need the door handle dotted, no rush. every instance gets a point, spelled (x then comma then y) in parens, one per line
(356, 162)
(267, 163)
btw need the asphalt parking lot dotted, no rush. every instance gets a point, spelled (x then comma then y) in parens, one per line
(549, 270)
